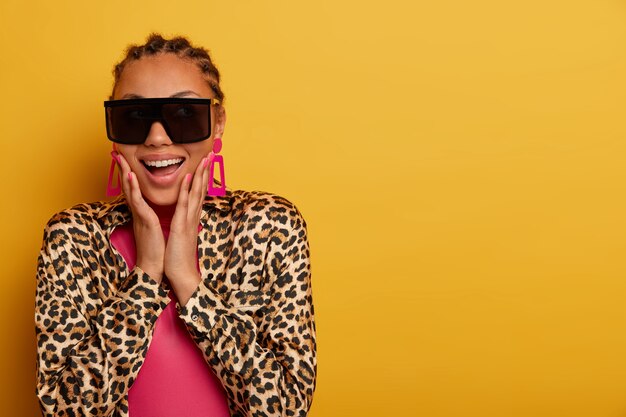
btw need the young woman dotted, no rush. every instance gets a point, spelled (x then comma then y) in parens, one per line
(178, 297)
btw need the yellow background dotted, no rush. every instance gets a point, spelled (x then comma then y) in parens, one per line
(460, 164)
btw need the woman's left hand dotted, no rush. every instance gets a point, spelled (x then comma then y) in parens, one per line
(180, 259)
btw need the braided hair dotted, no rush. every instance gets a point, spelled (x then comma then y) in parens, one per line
(181, 47)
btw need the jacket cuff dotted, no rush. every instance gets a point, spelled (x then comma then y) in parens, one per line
(202, 310)
(146, 295)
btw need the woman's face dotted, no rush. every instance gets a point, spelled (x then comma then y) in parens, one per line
(165, 75)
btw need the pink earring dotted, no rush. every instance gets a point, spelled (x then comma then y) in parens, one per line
(214, 159)
(111, 190)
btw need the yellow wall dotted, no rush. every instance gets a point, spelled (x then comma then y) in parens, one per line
(461, 166)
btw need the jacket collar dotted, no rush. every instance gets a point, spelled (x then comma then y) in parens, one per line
(116, 212)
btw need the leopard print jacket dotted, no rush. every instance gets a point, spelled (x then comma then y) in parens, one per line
(252, 315)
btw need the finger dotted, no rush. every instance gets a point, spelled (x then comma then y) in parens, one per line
(205, 183)
(205, 178)
(180, 214)
(140, 209)
(123, 164)
(138, 205)
(125, 170)
(126, 177)
(196, 195)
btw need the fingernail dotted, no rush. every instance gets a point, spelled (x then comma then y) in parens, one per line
(206, 162)
(130, 176)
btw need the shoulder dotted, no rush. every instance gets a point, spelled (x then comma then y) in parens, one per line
(273, 226)
(78, 213)
(76, 222)
(267, 208)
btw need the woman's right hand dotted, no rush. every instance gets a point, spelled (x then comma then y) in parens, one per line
(149, 239)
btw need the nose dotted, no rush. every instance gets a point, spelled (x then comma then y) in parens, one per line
(157, 135)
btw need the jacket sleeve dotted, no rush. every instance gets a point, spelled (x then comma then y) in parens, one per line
(269, 370)
(87, 359)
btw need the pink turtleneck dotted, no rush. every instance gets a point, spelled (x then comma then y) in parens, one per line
(174, 379)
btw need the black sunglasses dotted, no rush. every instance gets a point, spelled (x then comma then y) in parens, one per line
(185, 120)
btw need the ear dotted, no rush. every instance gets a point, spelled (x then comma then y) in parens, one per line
(220, 122)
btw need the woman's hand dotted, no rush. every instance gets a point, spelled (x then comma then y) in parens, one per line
(180, 260)
(149, 239)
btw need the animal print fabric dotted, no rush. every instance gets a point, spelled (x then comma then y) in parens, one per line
(252, 315)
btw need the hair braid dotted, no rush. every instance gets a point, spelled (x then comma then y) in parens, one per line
(181, 47)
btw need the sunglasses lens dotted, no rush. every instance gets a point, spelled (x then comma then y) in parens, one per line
(129, 124)
(187, 122)
(184, 121)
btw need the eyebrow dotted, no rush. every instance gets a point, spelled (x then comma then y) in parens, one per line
(176, 95)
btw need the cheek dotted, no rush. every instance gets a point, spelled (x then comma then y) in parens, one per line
(124, 149)
(199, 150)
(127, 151)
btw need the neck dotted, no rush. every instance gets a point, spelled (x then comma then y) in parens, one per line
(165, 213)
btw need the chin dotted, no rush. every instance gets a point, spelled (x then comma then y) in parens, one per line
(163, 198)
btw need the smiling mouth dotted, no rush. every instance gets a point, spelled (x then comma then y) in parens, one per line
(164, 167)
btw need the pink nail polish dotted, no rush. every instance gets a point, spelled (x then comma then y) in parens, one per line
(130, 176)
(206, 162)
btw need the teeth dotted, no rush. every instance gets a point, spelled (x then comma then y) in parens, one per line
(163, 163)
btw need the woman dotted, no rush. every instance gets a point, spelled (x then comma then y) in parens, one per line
(176, 298)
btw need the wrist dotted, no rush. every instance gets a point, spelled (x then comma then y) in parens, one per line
(183, 275)
(184, 285)
(153, 271)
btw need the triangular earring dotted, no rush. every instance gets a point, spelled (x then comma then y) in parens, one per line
(114, 190)
(214, 159)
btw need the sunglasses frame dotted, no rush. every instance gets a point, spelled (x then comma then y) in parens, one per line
(159, 102)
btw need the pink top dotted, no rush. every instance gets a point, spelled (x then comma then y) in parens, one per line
(174, 379)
